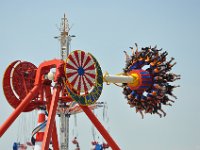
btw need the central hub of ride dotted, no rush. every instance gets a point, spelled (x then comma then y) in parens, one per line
(81, 71)
(143, 80)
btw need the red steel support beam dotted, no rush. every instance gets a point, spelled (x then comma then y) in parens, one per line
(46, 66)
(100, 127)
(19, 109)
(54, 133)
(55, 137)
(51, 117)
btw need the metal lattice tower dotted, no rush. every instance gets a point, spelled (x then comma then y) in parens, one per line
(65, 40)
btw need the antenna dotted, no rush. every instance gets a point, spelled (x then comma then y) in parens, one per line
(64, 38)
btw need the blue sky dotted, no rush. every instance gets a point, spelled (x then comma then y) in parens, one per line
(106, 29)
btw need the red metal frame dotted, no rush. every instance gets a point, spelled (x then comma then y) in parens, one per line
(54, 132)
(51, 117)
(19, 109)
(41, 87)
(100, 128)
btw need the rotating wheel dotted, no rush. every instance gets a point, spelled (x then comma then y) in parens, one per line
(18, 80)
(81, 72)
(84, 78)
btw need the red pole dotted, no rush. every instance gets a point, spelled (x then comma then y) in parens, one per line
(51, 118)
(55, 137)
(100, 128)
(19, 109)
(54, 133)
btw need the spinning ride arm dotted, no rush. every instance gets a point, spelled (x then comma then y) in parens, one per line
(118, 78)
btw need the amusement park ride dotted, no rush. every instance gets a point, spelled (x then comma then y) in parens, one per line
(74, 83)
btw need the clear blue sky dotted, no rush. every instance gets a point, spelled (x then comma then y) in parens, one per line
(106, 29)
